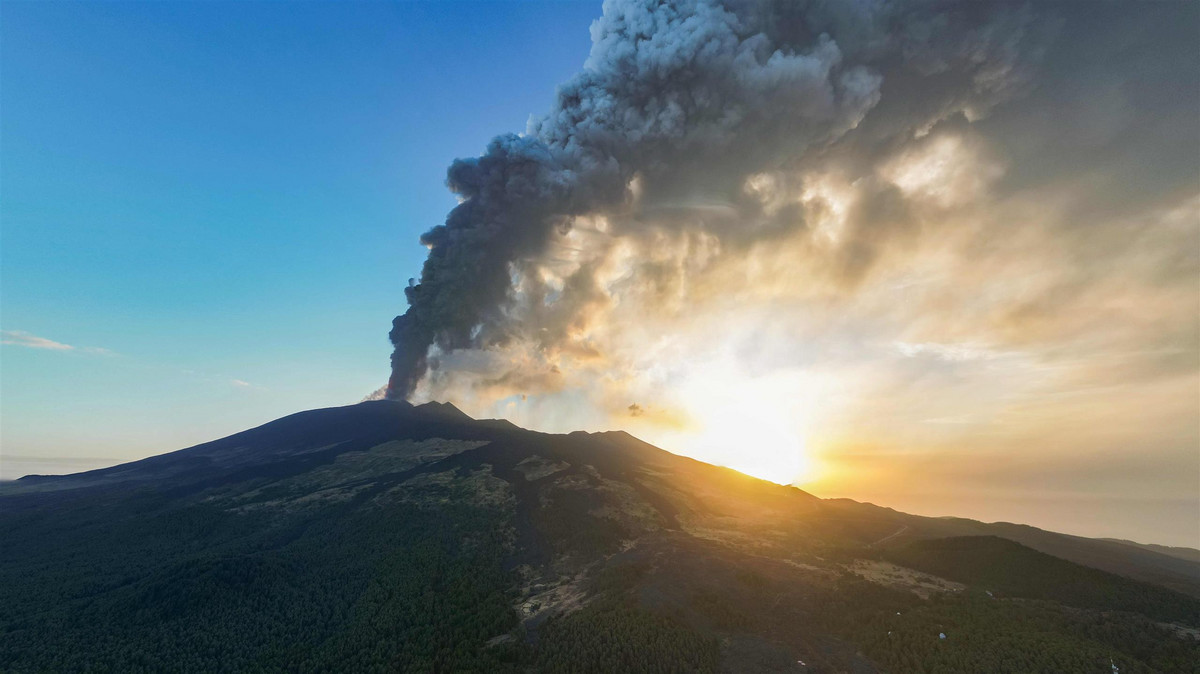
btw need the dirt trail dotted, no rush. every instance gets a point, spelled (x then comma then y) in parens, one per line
(889, 536)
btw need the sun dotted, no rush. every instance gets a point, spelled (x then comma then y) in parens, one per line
(758, 441)
(754, 424)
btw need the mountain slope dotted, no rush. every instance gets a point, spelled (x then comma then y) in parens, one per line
(1141, 562)
(1014, 570)
(383, 536)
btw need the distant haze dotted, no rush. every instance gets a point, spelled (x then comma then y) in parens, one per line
(14, 467)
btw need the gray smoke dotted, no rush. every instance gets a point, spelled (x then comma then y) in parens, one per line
(688, 99)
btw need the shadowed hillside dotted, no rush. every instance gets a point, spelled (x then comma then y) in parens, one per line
(1011, 569)
(384, 537)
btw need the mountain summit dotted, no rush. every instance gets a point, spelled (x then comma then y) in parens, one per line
(385, 536)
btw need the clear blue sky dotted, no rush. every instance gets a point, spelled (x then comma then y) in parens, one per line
(232, 191)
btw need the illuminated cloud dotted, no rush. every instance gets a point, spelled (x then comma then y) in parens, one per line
(950, 352)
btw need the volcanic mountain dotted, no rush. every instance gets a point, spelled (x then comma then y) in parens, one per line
(390, 537)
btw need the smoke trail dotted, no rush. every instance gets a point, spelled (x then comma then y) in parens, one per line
(687, 99)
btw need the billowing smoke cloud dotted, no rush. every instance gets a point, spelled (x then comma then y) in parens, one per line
(942, 249)
(678, 106)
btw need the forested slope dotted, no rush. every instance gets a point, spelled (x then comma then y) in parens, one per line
(386, 537)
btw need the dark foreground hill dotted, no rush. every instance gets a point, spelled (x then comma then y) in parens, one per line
(386, 537)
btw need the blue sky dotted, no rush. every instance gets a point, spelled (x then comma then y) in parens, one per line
(198, 196)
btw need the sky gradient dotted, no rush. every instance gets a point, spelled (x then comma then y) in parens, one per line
(210, 212)
(215, 193)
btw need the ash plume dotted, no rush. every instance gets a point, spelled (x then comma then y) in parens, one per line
(681, 102)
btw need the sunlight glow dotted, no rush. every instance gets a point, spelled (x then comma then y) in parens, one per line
(753, 424)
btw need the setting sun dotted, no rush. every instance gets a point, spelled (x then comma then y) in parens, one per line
(756, 441)
(756, 425)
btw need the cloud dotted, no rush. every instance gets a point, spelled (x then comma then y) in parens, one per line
(241, 384)
(701, 130)
(947, 352)
(30, 341)
(677, 105)
(99, 351)
(22, 338)
(378, 394)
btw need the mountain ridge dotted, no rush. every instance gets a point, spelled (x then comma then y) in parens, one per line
(389, 536)
(1146, 562)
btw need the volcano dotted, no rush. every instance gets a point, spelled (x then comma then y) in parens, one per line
(385, 536)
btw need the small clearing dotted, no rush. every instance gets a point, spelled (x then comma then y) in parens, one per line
(536, 467)
(923, 585)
